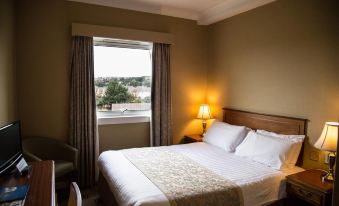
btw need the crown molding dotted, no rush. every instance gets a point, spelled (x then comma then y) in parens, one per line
(228, 9)
(145, 7)
(205, 16)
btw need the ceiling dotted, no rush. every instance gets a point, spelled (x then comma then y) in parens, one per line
(205, 12)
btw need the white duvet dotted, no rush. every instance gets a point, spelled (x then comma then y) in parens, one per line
(260, 184)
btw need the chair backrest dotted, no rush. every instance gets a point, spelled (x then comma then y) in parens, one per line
(43, 147)
(74, 195)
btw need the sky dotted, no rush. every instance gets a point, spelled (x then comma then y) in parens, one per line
(121, 62)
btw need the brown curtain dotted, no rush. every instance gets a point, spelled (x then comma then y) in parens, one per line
(161, 95)
(82, 108)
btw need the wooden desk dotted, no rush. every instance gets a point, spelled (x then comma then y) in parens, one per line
(41, 184)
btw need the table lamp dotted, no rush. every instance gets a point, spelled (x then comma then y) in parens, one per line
(204, 114)
(328, 142)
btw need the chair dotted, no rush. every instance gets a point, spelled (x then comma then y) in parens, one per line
(74, 195)
(43, 148)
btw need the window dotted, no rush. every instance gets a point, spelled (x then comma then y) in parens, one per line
(123, 75)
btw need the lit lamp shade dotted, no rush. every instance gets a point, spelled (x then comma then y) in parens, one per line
(328, 142)
(329, 137)
(204, 112)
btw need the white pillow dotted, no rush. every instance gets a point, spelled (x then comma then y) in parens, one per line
(293, 138)
(297, 141)
(272, 152)
(225, 136)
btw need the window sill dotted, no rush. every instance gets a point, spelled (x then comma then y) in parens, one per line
(123, 119)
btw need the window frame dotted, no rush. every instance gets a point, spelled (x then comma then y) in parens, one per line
(143, 116)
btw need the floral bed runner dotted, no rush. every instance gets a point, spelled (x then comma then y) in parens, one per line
(182, 180)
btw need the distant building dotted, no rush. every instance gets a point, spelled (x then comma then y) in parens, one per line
(100, 91)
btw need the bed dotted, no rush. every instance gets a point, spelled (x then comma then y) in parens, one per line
(121, 182)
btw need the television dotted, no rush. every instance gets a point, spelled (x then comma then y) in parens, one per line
(10, 147)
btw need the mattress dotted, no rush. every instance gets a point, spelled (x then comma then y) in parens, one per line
(259, 184)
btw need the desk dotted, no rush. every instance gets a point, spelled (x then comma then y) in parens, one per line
(41, 184)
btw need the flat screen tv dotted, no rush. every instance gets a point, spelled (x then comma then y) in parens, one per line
(10, 147)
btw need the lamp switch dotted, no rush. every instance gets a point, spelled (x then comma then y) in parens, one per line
(314, 156)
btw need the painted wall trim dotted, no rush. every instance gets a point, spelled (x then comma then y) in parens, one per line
(217, 11)
(121, 33)
(123, 120)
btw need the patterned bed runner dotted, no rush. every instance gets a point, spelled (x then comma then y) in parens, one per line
(182, 180)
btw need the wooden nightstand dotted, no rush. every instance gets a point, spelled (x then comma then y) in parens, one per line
(192, 138)
(306, 188)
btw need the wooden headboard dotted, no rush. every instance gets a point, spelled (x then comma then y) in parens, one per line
(272, 123)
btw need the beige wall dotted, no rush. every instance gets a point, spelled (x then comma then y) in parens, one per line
(44, 33)
(121, 136)
(282, 58)
(8, 106)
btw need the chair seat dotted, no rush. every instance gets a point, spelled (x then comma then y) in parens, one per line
(62, 167)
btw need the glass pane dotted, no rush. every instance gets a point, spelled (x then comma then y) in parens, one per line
(122, 80)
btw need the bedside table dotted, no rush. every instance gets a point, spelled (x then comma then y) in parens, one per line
(192, 138)
(307, 187)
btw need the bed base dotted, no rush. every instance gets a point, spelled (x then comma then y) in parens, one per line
(105, 193)
(108, 198)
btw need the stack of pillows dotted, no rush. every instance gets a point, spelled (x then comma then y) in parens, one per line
(277, 151)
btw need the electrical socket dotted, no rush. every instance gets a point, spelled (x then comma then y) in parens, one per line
(326, 159)
(314, 156)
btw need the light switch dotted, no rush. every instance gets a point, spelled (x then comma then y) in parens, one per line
(314, 156)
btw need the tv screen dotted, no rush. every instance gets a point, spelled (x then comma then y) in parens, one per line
(10, 146)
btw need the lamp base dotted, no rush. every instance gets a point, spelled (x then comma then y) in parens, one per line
(329, 176)
(203, 127)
